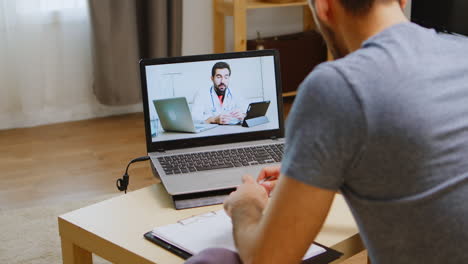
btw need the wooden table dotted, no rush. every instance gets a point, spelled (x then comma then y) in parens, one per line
(113, 229)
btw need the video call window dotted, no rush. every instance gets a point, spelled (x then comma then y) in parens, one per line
(210, 98)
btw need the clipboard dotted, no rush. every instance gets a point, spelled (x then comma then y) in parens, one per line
(326, 257)
(219, 224)
(174, 249)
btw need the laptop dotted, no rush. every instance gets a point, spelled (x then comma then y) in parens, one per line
(191, 163)
(174, 114)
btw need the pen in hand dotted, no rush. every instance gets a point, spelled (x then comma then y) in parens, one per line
(265, 179)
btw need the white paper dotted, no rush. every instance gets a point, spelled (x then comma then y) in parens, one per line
(208, 230)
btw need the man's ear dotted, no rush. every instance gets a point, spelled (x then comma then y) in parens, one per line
(323, 10)
(403, 3)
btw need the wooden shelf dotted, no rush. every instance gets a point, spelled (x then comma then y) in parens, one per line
(227, 7)
(290, 94)
(238, 10)
(260, 4)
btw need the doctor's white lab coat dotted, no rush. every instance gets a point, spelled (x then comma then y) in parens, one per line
(206, 104)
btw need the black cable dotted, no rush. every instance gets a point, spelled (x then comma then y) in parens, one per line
(122, 183)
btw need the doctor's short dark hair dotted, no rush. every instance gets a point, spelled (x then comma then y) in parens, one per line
(359, 7)
(220, 65)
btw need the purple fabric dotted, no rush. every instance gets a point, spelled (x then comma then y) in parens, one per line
(215, 256)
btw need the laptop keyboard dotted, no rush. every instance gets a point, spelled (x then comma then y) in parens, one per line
(221, 159)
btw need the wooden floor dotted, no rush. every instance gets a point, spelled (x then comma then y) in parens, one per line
(74, 160)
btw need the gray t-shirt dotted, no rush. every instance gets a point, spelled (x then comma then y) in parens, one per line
(388, 127)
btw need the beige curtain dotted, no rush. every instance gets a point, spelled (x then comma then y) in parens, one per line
(124, 31)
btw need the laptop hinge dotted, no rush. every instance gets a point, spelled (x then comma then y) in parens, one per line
(160, 150)
(274, 138)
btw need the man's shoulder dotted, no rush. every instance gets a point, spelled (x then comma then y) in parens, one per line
(355, 65)
(365, 68)
(325, 77)
(327, 84)
(322, 72)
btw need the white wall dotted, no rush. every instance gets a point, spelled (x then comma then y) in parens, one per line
(197, 36)
(408, 9)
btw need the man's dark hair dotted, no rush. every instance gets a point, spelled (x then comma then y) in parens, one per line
(359, 7)
(220, 65)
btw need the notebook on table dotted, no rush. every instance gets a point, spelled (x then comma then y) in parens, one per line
(189, 236)
(190, 164)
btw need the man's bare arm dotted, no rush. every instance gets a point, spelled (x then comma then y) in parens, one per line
(293, 219)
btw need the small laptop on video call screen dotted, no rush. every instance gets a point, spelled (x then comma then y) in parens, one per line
(210, 96)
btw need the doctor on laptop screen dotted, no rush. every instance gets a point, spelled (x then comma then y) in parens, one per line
(219, 104)
(210, 97)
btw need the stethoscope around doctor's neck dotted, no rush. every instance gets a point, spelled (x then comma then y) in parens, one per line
(213, 107)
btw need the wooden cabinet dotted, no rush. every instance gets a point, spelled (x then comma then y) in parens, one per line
(238, 10)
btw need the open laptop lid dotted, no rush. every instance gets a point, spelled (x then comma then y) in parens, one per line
(254, 76)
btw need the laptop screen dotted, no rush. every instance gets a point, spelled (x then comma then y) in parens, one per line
(211, 96)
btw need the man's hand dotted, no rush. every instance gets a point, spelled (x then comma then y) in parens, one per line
(294, 216)
(249, 195)
(272, 173)
(224, 119)
(238, 115)
(213, 120)
(245, 207)
(228, 119)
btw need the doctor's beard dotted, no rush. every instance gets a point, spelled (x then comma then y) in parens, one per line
(220, 92)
